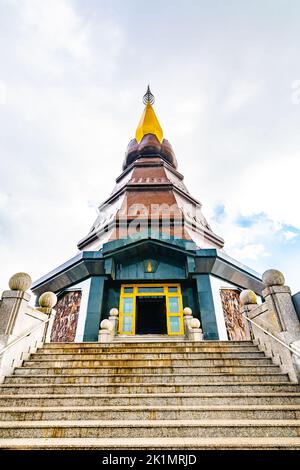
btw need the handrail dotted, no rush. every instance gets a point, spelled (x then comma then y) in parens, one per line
(294, 350)
(23, 336)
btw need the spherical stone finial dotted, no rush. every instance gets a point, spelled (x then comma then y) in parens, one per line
(195, 323)
(20, 281)
(106, 325)
(273, 277)
(114, 312)
(248, 297)
(187, 311)
(48, 300)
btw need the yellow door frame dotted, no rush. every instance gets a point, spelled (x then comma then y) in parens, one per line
(127, 307)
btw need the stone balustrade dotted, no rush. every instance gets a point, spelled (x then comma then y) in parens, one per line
(19, 323)
(277, 315)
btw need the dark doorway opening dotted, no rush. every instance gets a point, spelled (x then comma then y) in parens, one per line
(151, 315)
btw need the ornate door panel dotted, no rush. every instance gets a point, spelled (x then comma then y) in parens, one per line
(65, 323)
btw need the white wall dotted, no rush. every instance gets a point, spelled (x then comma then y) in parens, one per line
(216, 285)
(85, 289)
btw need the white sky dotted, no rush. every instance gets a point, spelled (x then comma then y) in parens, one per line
(226, 77)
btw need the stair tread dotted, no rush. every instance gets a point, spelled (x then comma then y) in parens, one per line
(155, 375)
(146, 384)
(154, 395)
(149, 407)
(152, 442)
(151, 423)
(167, 343)
(176, 366)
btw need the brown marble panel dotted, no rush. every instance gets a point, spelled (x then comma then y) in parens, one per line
(65, 323)
(234, 321)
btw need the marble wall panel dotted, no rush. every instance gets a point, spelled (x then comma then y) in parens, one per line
(65, 323)
(233, 320)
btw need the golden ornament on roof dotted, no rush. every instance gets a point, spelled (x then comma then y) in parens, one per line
(148, 123)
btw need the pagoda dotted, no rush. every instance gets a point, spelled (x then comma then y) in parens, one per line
(150, 253)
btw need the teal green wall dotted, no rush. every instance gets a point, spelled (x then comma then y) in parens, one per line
(167, 268)
(111, 298)
(93, 316)
(207, 309)
(189, 296)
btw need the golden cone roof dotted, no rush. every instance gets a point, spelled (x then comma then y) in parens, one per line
(149, 123)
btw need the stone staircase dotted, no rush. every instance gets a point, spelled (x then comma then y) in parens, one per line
(149, 395)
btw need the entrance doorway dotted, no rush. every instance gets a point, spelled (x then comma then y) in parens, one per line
(151, 316)
(151, 308)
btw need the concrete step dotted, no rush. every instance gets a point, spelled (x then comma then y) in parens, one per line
(256, 355)
(159, 393)
(154, 344)
(153, 443)
(137, 412)
(152, 428)
(150, 399)
(136, 371)
(151, 350)
(115, 363)
(139, 356)
(138, 388)
(149, 339)
(147, 378)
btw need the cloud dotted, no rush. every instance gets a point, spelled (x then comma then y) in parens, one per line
(250, 252)
(289, 235)
(3, 93)
(241, 93)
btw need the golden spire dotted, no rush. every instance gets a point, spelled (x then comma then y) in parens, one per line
(148, 123)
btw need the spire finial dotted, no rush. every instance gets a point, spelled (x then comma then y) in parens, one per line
(148, 123)
(148, 98)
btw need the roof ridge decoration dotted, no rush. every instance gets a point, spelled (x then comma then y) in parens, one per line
(149, 123)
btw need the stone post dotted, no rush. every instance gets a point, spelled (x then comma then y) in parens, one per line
(13, 302)
(47, 301)
(114, 319)
(105, 332)
(191, 325)
(22, 327)
(109, 328)
(279, 299)
(248, 302)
